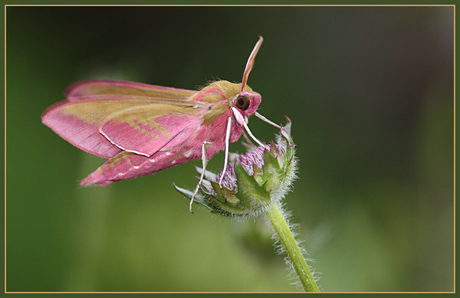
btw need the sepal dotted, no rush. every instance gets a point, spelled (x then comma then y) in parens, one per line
(251, 182)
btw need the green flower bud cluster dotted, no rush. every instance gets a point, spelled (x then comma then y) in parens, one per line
(252, 181)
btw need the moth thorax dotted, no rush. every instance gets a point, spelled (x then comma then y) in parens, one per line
(220, 90)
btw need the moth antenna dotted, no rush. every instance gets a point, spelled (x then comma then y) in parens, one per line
(250, 63)
(205, 163)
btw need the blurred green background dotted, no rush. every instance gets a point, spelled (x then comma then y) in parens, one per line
(369, 91)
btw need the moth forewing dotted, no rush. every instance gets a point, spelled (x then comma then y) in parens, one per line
(108, 87)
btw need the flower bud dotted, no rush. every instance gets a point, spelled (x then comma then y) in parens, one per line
(252, 181)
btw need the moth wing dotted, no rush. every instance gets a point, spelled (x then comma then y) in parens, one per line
(145, 129)
(101, 125)
(83, 89)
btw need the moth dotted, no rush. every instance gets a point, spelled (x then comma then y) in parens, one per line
(143, 129)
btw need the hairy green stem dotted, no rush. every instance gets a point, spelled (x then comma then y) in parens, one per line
(292, 249)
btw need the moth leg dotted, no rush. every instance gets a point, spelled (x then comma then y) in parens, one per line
(227, 144)
(205, 163)
(266, 120)
(252, 136)
(248, 141)
(242, 121)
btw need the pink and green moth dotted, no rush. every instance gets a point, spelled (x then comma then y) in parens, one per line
(143, 129)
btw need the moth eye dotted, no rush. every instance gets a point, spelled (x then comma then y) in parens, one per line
(242, 102)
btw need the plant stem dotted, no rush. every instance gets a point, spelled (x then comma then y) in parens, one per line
(292, 249)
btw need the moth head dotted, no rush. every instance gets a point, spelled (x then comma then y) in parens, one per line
(247, 102)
